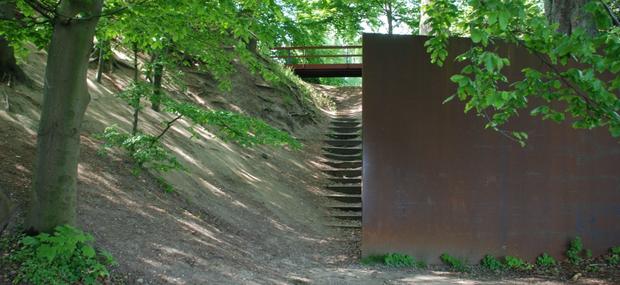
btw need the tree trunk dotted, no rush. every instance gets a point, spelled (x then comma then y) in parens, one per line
(253, 45)
(570, 15)
(65, 99)
(8, 65)
(390, 17)
(136, 77)
(5, 211)
(100, 63)
(425, 28)
(158, 74)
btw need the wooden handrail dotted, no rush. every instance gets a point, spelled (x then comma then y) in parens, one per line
(317, 56)
(315, 47)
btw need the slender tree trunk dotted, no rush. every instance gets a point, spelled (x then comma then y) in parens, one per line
(136, 111)
(570, 15)
(253, 45)
(158, 75)
(100, 63)
(390, 17)
(5, 210)
(65, 100)
(425, 29)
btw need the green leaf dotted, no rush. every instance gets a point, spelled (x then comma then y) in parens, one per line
(88, 251)
(476, 35)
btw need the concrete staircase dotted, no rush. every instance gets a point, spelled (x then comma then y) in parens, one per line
(342, 157)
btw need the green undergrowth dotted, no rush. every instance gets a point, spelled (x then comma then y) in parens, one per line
(281, 75)
(396, 260)
(65, 257)
(453, 262)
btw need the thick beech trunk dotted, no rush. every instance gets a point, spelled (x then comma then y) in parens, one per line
(570, 15)
(64, 103)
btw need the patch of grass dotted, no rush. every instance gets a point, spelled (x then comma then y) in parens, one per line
(453, 262)
(545, 260)
(397, 260)
(516, 263)
(65, 257)
(491, 263)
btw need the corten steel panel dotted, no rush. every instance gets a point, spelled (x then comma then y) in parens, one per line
(435, 181)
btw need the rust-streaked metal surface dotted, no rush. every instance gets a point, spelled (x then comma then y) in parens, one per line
(435, 181)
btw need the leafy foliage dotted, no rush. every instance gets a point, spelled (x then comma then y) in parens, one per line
(396, 260)
(244, 130)
(571, 84)
(576, 252)
(517, 263)
(453, 262)
(63, 258)
(145, 150)
(614, 257)
(545, 260)
(491, 263)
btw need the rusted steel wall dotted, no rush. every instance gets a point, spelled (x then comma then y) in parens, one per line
(435, 181)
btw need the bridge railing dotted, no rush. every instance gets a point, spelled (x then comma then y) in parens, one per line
(318, 54)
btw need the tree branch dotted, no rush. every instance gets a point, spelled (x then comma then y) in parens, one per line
(168, 126)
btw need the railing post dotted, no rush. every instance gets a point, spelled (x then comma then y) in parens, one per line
(289, 59)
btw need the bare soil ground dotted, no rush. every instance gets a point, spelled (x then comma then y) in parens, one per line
(237, 216)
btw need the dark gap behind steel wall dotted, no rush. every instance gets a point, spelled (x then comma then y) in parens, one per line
(436, 181)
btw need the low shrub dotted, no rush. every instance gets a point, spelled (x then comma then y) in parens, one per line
(63, 258)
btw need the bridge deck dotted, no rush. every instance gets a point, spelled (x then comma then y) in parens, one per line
(327, 70)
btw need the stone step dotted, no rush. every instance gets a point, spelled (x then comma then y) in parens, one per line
(345, 130)
(351, 172)
(343, 164)
(350, 207)
(342, 150)
(346, 119)
(342, 157)
(343, 136)
(346, 224)
(349, 216)
(346, 189)
(345, 198)
(341, 215)
(344, 143)
(345, 124)
(345, 180)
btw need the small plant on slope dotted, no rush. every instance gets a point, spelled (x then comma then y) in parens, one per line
(517, 263)
(491, 263)
(614, 257)
(63, 258)
(399, 260)
(575, 251)
(545, 260)
(453, 262)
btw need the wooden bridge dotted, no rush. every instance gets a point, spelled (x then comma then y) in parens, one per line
(322, 61)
